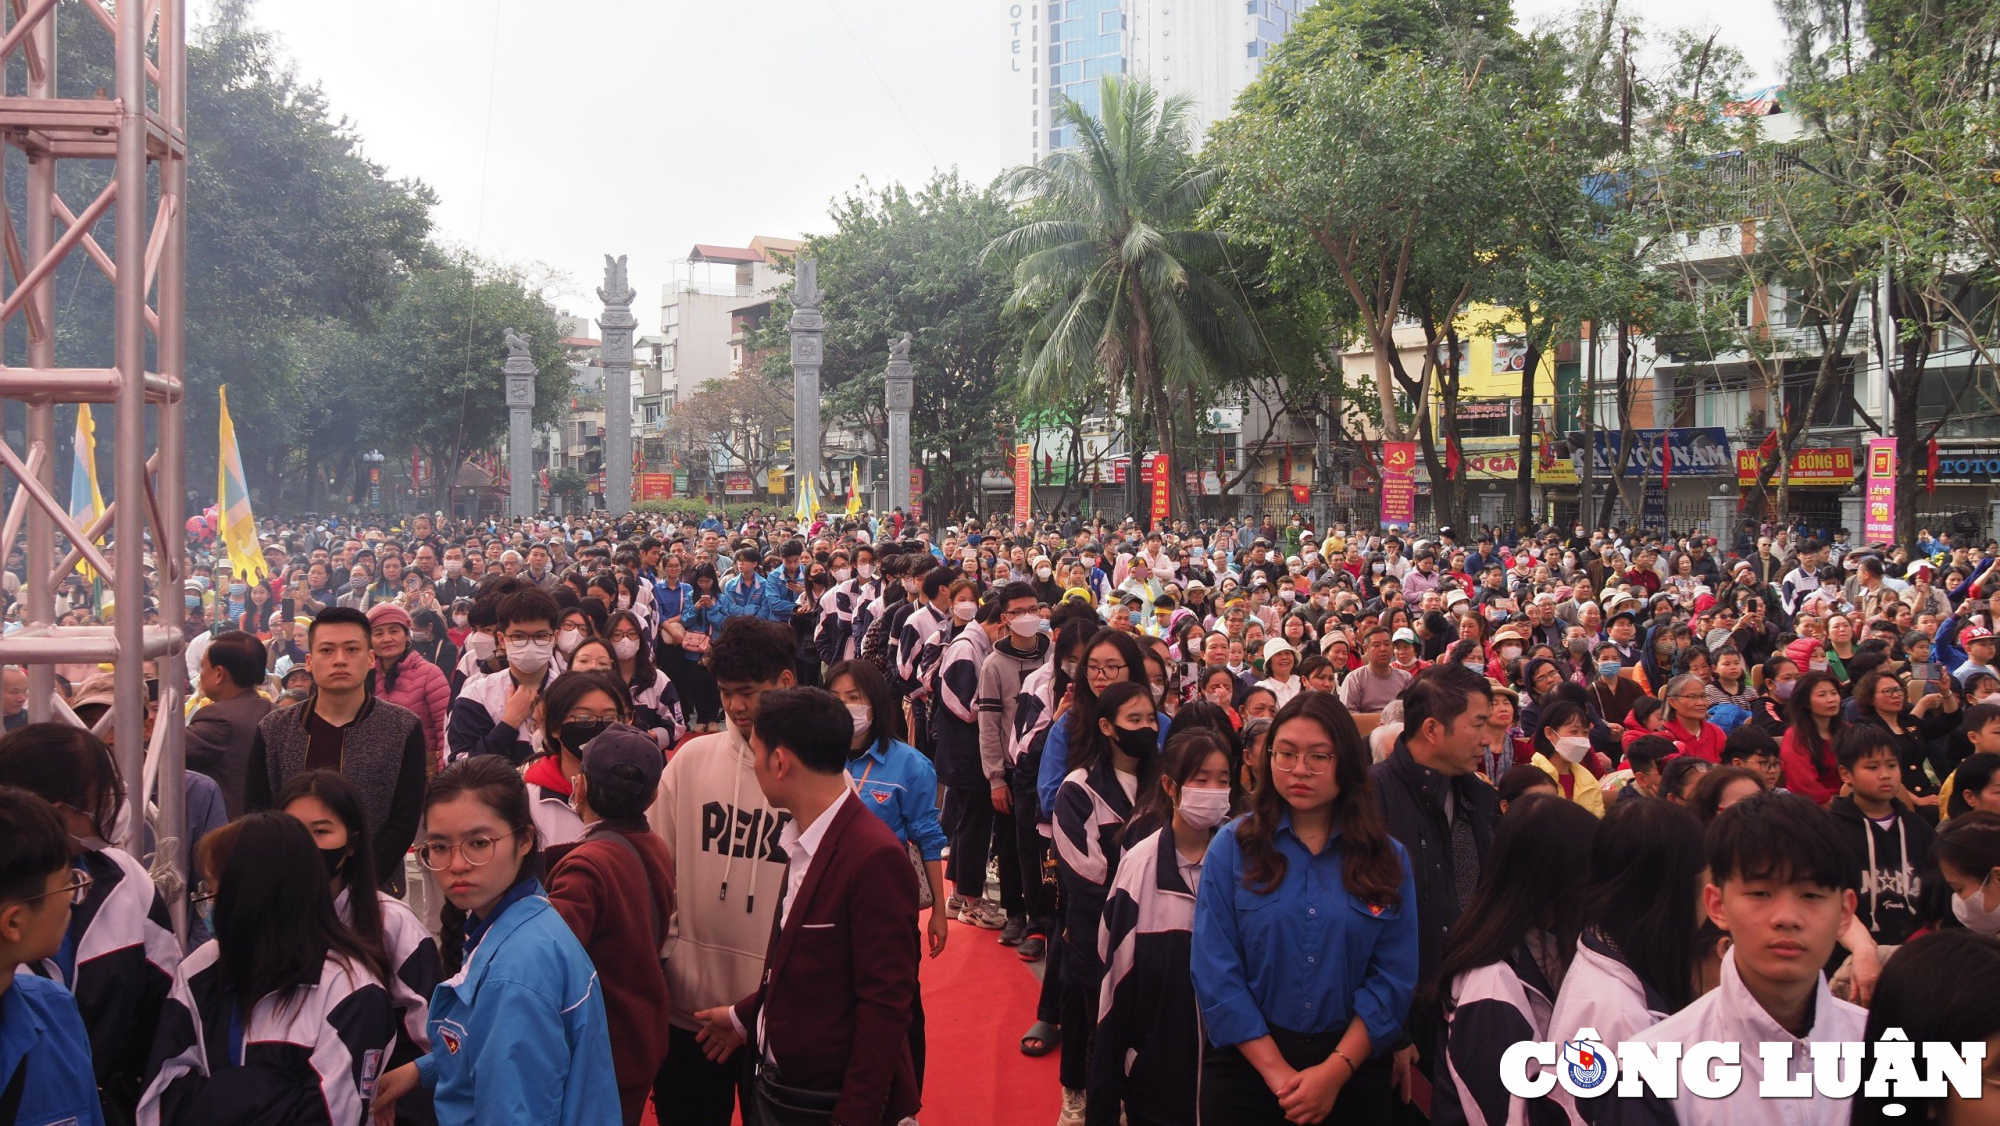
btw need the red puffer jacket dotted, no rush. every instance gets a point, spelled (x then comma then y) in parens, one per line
(423, 689)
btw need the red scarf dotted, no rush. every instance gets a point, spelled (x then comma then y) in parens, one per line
(546, 772)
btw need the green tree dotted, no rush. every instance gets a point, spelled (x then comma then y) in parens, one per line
(902, 259)
(434, 380)
(1128, 294)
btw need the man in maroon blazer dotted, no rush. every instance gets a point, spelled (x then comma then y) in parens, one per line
(830, 1024)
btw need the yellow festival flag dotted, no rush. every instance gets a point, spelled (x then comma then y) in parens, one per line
(238, 527)
(854, 489)
(86, 498)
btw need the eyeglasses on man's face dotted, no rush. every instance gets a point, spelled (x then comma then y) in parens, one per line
(78, 889)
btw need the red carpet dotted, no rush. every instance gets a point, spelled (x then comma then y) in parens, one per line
(978, 1000)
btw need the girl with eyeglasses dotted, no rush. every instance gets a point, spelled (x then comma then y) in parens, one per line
(1305, 935)
(283, 1016)
(1116, 761)
(524, 999)
(576, 707)
(119, 955)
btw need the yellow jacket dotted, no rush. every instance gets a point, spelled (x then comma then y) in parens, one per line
(1584, 791)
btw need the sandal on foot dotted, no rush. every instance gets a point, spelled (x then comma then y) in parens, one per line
(1044, 1034)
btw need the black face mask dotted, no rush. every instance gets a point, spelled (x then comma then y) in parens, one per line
(333, 858)
(1138, 742)
(575, 735)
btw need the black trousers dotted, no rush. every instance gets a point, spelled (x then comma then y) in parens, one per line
(1079, 1027)
(1232, 1092)
(1031, 849)
(692, 1090)
(975, 827)
(1048, 1006)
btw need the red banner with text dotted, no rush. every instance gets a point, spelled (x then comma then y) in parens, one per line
(1163, 500)
(1024, 476)
(1399, 484)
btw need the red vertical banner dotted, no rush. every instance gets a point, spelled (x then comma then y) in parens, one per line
(917, 491)
(1399, 484)
(1163, 497)
(1024, 490)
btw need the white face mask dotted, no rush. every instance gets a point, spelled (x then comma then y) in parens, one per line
(1971, 911)
(626, 648)
(841, 574)
(1573, 747)
(567, 639)
(965, 611)
(1817, 665)
(624, 602)
(1204, 807)
(1044, 573)
(529, 656)
(480, 645)
(1025, 626)
(461, 620)
(453, 566)
(1509, 652)
(862, 715)
(864, 570)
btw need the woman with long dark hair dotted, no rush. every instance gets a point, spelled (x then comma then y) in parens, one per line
(1117, 760)
(120, 956)
(283, 1015)
(1300, 1012)
(1881, 698)
(1108, 657)
(1506, 957)
(1939, 988)
(1812, 715)
(1640, 949)
(701, 620)
(326, 803)
(522, 1020)
(656, 703)
(1146, 1050)
(896, 782)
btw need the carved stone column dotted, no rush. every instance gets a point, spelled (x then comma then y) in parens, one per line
(808, 351)
(615, 354)
(520, 371)
(897, 390)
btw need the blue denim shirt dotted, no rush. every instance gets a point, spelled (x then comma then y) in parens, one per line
(1309, 956)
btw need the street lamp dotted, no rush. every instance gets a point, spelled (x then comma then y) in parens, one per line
(374, 459)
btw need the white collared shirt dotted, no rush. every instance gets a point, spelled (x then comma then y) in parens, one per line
(1729, 1014)
(800, 847)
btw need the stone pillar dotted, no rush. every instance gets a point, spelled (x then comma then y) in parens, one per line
(615, 353)
(808, 333)
(897, 388)
(1853, 511)
(520, 371)
(1722, 518)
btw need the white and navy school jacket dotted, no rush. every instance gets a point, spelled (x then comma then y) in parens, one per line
(956, 721)
(1091, 811)
(415, 969)
(1492, 1007)
(1600, 991)
(1147, 1051)
(475, 727)
(118, 958)
(1034, 710)
(919, 649)
(213, 1064)
(658, 705)
(841, 624)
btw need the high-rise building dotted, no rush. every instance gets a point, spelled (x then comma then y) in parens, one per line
(1208, 50)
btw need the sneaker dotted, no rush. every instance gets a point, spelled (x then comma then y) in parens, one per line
(1072, 1108)
(954, 907)
(1033, 948)
(985, 915)
(1014, 931)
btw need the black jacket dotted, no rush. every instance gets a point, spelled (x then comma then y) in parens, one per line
(1412, 800)
(1892, 872)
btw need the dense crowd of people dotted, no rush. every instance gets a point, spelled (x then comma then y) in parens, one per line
(580, 820)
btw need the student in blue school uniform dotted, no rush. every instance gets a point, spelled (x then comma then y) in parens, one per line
(45, 1073)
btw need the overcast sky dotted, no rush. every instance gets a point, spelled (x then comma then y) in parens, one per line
(554, 134)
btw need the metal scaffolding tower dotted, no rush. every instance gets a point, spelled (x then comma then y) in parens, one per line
(136, 131)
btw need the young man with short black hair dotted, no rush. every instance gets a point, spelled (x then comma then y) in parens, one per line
(45, 1061)
(1888, 845)
(1756, 750)
(1781, 885)
(830, 1019)
(375, 744)
(490, 716)
(729, 867)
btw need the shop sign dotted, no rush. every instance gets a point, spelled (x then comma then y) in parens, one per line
(1698, 451)
(737, 483)
(1972, 467)
(1817, 466)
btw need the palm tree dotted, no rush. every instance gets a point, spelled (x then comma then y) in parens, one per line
(1124, 292)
